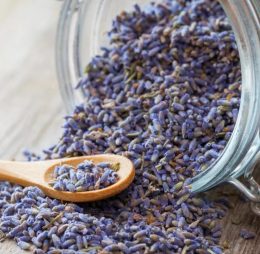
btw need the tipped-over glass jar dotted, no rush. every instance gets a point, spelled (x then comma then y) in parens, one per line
(81, 32)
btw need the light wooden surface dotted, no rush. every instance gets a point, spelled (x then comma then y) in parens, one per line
(30, 105)
(31, 109)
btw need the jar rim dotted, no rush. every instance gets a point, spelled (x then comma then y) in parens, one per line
(244, 19)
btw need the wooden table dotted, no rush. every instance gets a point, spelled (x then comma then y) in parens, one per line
(31, 109)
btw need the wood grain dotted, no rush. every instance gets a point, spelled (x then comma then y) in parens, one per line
(30, 105)
(31, 109)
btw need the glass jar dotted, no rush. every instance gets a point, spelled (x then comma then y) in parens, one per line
(81, 32)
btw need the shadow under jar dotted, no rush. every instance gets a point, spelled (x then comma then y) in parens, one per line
(81, 32)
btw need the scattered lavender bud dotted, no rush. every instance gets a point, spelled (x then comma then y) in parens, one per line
(247, 234)
(24, 245)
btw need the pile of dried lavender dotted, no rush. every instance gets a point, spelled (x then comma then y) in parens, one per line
(85, 177)
(166, 94)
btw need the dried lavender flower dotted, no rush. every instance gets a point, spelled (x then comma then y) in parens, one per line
(247, 234)
(86, 176)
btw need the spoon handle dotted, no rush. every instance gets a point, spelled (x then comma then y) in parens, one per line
(24, 173)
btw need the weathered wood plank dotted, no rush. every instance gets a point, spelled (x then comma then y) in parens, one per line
(240, 217)
(30, 105)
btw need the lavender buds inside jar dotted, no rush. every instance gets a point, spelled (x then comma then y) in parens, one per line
(166, 94)
(84, 177)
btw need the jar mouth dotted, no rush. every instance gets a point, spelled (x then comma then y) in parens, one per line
(244, 18)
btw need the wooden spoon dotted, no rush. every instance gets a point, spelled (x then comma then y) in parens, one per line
(39, 174)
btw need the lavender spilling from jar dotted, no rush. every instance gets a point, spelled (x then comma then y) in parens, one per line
(166, 94)
(84, 177)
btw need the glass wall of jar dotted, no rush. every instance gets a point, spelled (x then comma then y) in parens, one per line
(81, 33)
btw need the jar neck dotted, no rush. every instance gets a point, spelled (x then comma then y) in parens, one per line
(244, 17)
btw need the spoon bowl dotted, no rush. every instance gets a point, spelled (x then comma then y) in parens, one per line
(40, 173)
